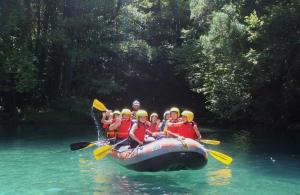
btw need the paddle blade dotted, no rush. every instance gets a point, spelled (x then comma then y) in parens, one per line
(99, 105)
(212, 142)
(81, 145)
(102, 151)
(223, 158)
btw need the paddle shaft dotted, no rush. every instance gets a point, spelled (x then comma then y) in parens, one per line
(85, 144)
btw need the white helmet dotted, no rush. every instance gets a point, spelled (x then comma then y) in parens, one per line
(167, 112)
(136, 103)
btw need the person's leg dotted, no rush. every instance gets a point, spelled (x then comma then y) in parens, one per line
(133, 144)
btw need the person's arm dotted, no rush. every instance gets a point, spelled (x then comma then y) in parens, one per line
(132, 136)
(103, 119)
(115, 125)
(106, 119)
(197, 131)
(149, 132)
(177, 125)
(158, 124)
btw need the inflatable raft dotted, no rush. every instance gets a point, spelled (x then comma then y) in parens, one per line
(166, 154)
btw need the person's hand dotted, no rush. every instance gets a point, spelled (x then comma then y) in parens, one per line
(118, 120)
(148, 123)
(107, 113)
(140, 143)
(157, 121)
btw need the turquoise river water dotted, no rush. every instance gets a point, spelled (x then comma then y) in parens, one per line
(37, 160)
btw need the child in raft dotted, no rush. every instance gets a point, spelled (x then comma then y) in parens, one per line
(187, 128)
(174, 118)
(138, 129)
(165, 119)
(106, 119)
(154, 123)
(122, 125)
(152, 127)
(115, 116)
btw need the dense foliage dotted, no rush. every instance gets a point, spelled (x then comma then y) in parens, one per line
(242, 56)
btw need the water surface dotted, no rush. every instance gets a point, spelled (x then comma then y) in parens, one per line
(37, 160)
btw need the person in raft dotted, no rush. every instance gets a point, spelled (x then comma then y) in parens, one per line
(115, 116)
(174, 114)
(106, 119)
(187, 128)
(152, 127)
(122, 125)
(165, 119)
(135, 107)
(154, 123)
(138, 129)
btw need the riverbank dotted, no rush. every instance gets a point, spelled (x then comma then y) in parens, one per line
(75, 110)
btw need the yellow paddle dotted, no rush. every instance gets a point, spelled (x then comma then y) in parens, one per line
(223, 158)
(99, 105)
(208, 141)
(105, 150)
(102, 151)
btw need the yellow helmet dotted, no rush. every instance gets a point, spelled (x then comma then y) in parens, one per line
(188, 114)
(126, 111)
(140, 113)
(175, 109)
(116, 112)
(153, 114)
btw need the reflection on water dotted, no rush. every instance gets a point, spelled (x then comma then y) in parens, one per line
(242, 140)
(219, 177)
(137, 183)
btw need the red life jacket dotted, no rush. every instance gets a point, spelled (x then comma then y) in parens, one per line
(111, 133)
(123, 129)
(153, 127)
(187, 130)
(140, 131)
(105, 126)
(173, 128)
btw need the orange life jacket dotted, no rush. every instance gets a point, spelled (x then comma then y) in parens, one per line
(140, 131)
(111, 133)
(187, 130)
(123, 129)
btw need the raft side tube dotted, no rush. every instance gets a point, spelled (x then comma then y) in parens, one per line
(165, 154)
